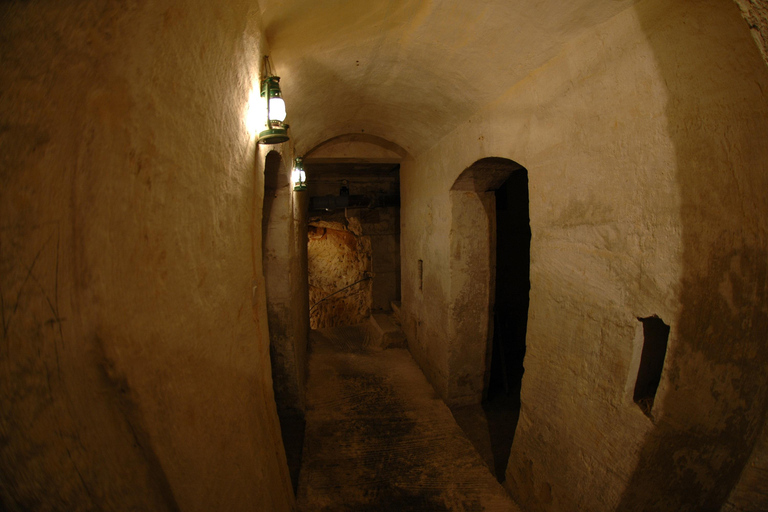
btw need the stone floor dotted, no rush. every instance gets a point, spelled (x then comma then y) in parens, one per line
(491, 428)
(378, 438)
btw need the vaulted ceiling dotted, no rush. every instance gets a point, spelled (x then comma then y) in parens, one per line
(411, 70)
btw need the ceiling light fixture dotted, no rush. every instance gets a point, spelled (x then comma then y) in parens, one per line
(275, 130)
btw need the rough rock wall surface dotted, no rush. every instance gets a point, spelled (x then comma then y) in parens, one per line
(716, 394)
(643, 142)
(133, 361)
(339, 256)
(751, 492)
(381, 225)
(755, 12)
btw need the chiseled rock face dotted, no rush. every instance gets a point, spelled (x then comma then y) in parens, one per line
(134, 359)
(285, 273)
(755, 12)
(339, 256)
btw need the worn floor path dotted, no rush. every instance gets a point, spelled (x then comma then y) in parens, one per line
(378, 438)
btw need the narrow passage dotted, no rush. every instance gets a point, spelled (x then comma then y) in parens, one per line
(378, 438)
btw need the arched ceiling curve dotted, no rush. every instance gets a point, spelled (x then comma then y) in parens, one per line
(410, 71)
(357, 139)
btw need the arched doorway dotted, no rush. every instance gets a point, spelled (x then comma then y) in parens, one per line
(490, 267)
(354, 229)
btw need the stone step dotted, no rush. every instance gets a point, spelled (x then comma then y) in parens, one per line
(385, 331)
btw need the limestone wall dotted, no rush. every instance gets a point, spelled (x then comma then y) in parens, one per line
(647, 166)
(339, 265)
(134, 357)
(367, 166)
(755, 13)
(284, 234)
(751, 491)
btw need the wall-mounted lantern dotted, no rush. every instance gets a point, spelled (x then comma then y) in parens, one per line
(275, 130)
(299, 176)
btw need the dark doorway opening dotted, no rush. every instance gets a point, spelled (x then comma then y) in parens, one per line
(501, 186)
(513, 242)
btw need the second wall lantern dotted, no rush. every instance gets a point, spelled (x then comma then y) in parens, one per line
(299, 176)
(275, 130)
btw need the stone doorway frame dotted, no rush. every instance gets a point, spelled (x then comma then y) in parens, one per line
(473, 276)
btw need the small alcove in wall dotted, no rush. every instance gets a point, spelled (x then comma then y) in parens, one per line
(490, 269)
(653, 354)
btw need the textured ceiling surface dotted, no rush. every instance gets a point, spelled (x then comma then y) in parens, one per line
(410, 70)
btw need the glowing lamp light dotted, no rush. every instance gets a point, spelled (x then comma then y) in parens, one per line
(275, 130)
(298, 175)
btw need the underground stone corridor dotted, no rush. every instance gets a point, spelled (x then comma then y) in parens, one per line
(374, 434)
(299, 255)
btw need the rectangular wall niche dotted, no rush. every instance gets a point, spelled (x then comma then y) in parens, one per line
(655, 337)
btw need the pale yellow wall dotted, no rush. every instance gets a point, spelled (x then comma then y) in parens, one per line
(134, 353)
(134, 356)
(644, 142)
(425, 213)
(285, 272)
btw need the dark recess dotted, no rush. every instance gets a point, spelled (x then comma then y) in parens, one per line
(655, 337)
(513, 242)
